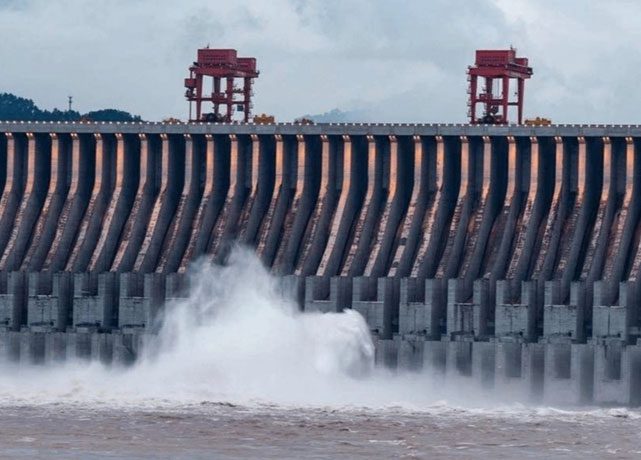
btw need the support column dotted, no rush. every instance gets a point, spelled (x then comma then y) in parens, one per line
(560, 205)
(261, 189)
(575, 231)
(304, 201)
(625, 224)
(180, 229)
(54, 253)
(13, 188)
(13, 300)
(127, 244)
(117, 211)
(377, 299)
(36, 179)
(346, 210)
(49, 303)
(141, 301)
(272, 225)
(226, 225)
(90, 228)
(325, 294)
(164, 208)
(315, 239)
(95, 301)
(537, 203)
(439, 213)
(368, 216)
(447, 267)
(424, 187)
(395, 206)
(48, 220)
(215, 190)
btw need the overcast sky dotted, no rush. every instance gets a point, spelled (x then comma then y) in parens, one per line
(377, 60)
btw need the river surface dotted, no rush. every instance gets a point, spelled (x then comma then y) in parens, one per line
(225, 431)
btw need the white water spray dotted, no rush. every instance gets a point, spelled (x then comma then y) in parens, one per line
(236, 334)
(236, 339)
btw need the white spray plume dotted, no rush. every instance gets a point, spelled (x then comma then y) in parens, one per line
(236, 339)
(237, 333)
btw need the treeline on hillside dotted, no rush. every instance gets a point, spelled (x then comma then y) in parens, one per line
(17, 108)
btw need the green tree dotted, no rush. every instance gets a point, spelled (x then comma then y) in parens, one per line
(17, 108)
(110, 115)
(14, 108)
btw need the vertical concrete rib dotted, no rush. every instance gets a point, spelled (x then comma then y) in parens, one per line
(528, 227)
(367, 220)
(215, 189)
(491, 201)
(49, 219)
(53, 251)
(172, 167)
(3, 160)
(468, 214)
(261, 189)
(272, 227)
(226, 225)
(36, 180)
(424, 188)
(577, 178)
(316, 235)
(609, 202)
(382, 249)
(626, 255)
(578, 228)
(562, 203)
(90, 226)
(348, 206)
(453, 203)
(507, 228)
(134, 229)
(13, 189)
(118, 209)
(305, 196)
(179, 231)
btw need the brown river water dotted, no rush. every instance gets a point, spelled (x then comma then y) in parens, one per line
(224, 431)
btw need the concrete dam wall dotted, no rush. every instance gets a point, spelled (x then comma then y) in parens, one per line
(511, 255)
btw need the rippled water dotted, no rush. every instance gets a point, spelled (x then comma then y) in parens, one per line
(211, 430)
(238, 372)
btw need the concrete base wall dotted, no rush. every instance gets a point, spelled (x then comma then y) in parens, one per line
(106, 317)
(110, 318)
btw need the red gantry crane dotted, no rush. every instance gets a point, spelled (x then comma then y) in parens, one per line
(221, 65)
(497, 68)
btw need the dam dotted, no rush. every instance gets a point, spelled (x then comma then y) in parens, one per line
(506, 254)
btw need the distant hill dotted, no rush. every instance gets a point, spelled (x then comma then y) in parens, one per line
(17, 108)
(339, 116)
(110, 115)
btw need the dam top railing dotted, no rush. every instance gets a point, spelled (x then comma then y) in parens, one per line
(384, 129)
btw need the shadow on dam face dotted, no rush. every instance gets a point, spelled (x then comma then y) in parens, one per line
(507, 255)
